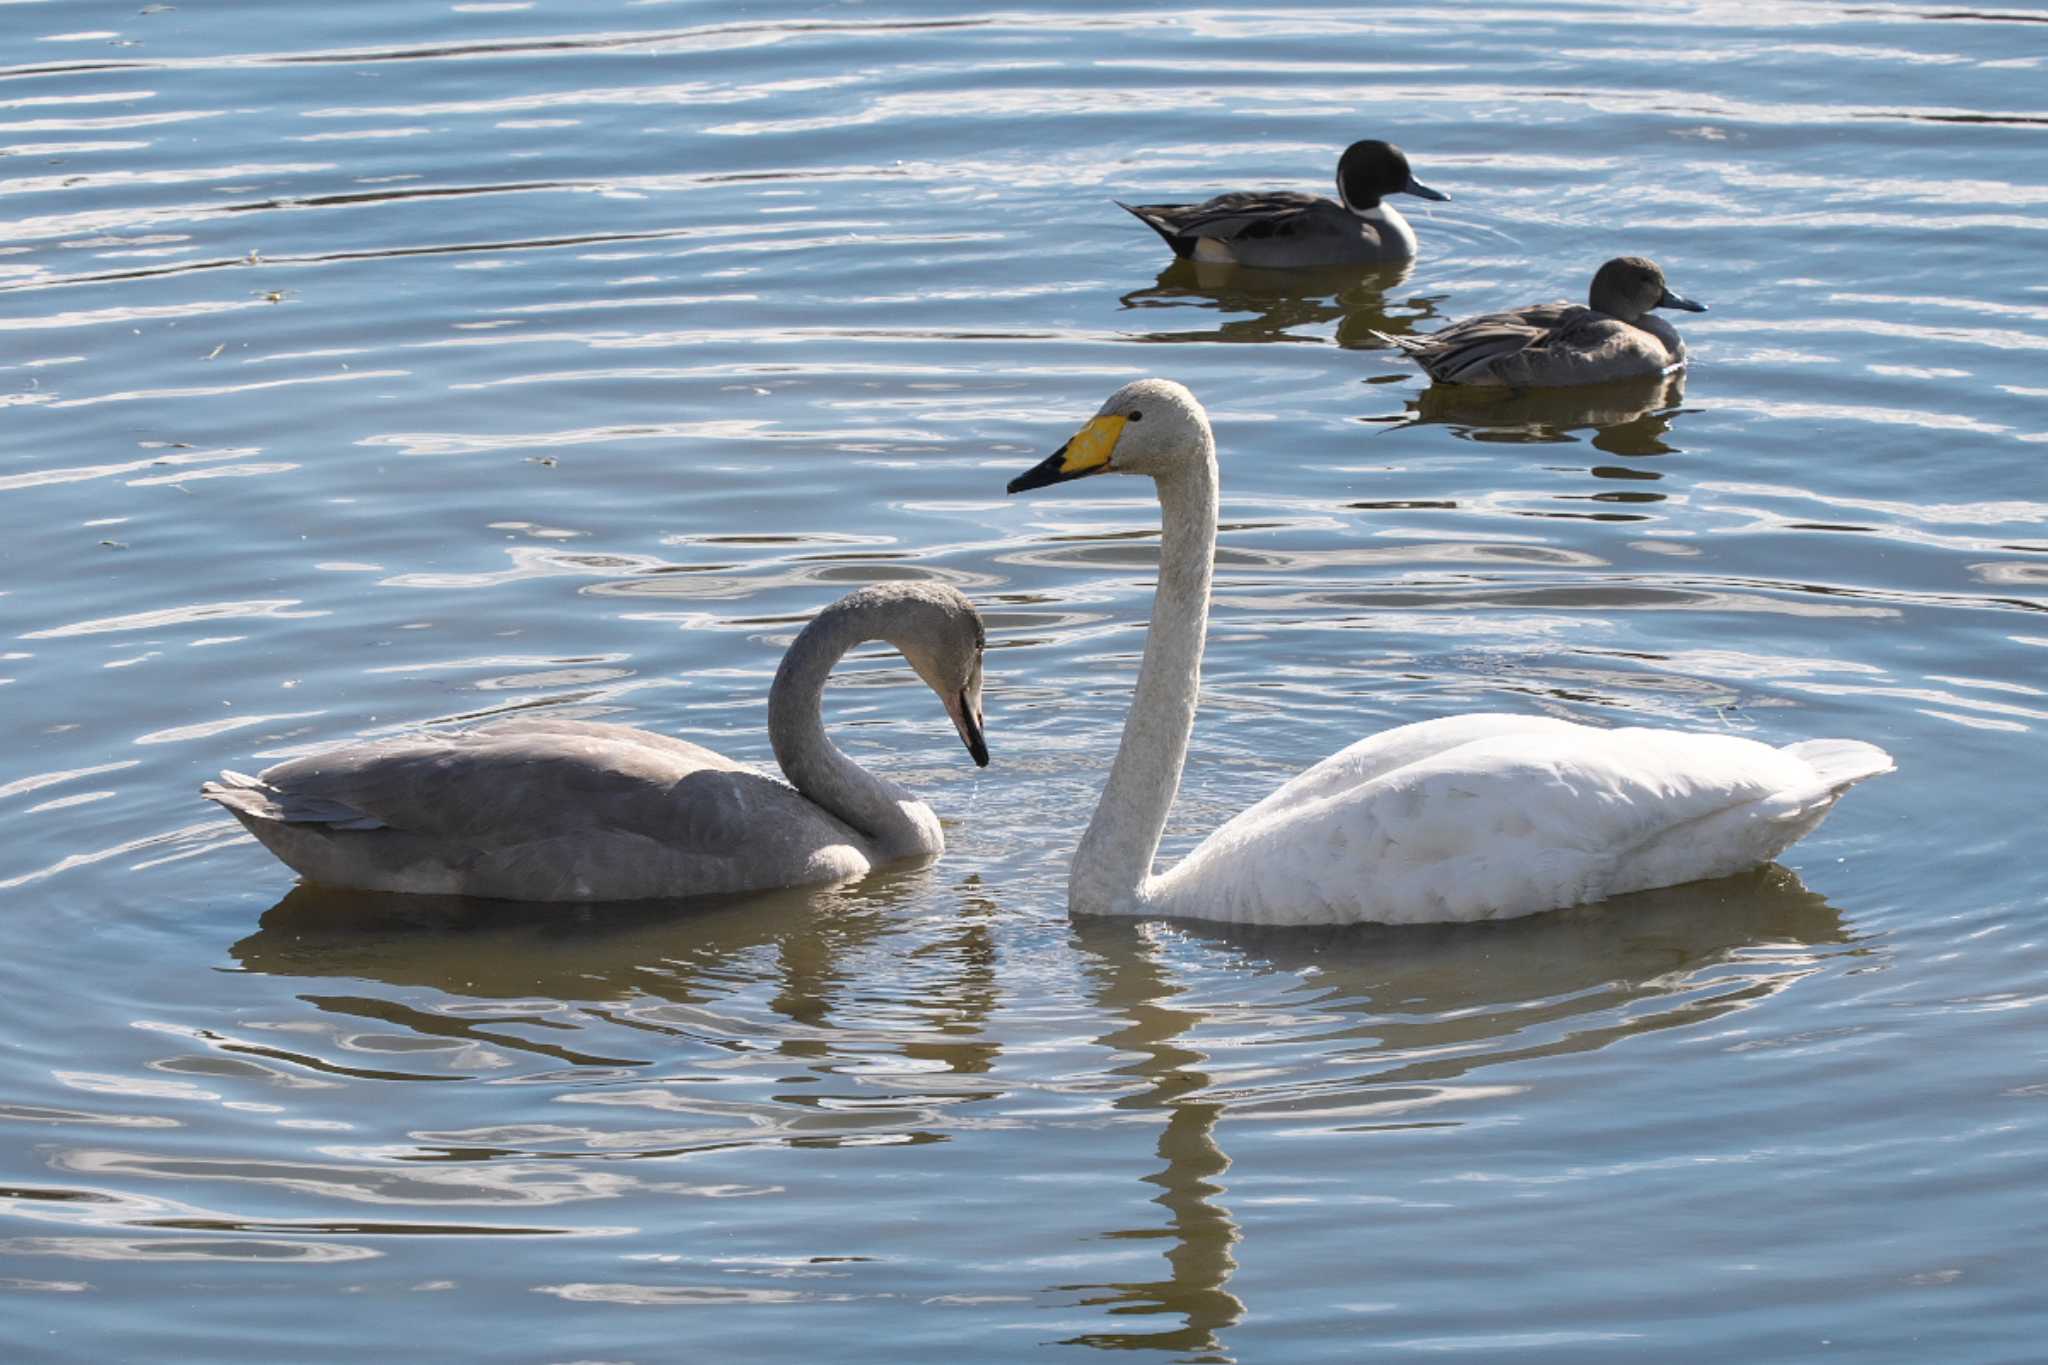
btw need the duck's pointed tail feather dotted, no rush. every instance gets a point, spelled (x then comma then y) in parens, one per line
(1414, 346)
(1181, 244)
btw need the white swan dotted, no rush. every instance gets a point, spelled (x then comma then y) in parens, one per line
(567, 810)
(1465, 818)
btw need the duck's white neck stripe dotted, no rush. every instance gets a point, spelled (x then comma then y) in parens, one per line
(1392, 228)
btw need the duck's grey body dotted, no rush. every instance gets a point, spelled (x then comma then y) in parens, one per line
(1279, 230)
(1284, 229)
(1554, 344)
(564, 810)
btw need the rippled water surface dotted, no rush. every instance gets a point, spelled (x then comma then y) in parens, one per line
(380, 364)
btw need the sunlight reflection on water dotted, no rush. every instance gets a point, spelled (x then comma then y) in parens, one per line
(372, 367)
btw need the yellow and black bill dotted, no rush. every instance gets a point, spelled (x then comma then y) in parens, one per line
(1089, 452)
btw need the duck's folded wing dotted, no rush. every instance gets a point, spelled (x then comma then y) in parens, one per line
(1475, 350)
(515, 783)
(1228, 217)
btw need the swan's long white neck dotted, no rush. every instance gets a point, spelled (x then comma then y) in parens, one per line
(894, 822)
(1112, 869)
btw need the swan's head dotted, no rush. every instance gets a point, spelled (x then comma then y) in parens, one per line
(1629, 286)
(1371, 170)
(1149, 426)
(940, 636)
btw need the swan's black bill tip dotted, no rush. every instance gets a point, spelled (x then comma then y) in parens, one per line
(1043, 474)
(967, 719)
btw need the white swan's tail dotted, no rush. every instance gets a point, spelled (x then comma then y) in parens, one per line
(1841, 763)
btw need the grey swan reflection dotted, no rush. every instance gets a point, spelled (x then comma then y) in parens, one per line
(622, 990)
(470, 948)
(630, 979)
(1413, 1009)
(545, 809)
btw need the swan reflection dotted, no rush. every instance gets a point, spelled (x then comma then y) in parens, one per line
(1377, 1028)
(1275, 305)
(762, 980)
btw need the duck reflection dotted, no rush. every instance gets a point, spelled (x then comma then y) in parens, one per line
(1630, 418)
(1273, 305)
(1421, 1006)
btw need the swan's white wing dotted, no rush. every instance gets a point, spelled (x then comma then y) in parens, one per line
(1530, 817)
(1388, 750)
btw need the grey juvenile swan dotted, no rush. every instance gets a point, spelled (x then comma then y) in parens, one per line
(1610, 336)
(567, 810)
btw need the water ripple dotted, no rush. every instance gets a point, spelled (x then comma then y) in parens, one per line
(675, 328)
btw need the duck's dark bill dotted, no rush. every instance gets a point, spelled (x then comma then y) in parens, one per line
(1673, 299)
(1422, 191)
(1050, 470)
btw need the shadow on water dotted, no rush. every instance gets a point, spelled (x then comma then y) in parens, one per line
(1630, 418)
(1273, 305)
(1423, 1007)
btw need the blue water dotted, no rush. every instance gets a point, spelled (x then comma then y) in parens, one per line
(374, 365)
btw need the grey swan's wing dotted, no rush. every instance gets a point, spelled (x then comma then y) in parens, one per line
(542, 809)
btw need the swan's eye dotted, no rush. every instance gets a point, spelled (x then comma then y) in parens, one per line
(1137, 417)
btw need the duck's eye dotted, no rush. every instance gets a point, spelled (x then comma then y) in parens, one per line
(1137, 417)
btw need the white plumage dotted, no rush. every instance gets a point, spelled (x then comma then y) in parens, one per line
(1464, 818)
(1491, 816)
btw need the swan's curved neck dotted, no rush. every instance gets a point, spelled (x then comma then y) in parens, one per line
(896, 823)
(1112, 868)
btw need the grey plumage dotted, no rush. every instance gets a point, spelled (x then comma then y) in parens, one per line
(565, 810)
(1611, 336)
(1285, 229)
